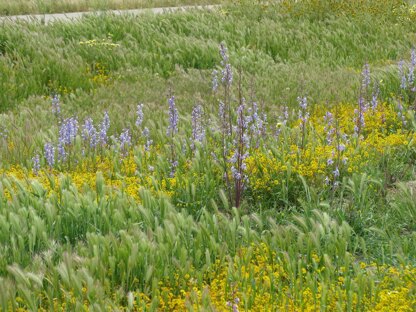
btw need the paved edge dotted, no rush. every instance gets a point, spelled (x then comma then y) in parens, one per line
(74, 16)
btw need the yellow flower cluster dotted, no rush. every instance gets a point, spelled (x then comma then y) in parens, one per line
(99, 74)
(382, 134)
(122, 179)
(107, 43)
(255, 280)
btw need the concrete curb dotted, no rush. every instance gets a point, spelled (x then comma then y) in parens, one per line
(71, 17)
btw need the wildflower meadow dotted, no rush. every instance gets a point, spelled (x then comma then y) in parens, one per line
(256, 157)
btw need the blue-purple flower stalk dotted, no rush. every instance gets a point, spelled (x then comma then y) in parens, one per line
(304, 117)
(103, 129)
(56, 106)
(67, 135)
(173, 118)
(171, 131)
(402, 75)
(366, 79)
(256, 122)
(198, 131)
(282, 121)
(329, 127)
(411, 75)
(234, 305)
(226, 79)
(125, 142)
(149, 142)
(400, 114)
(359, 120)
(227, 73)
(36, 164)
(374, 98)
(238, 160)
(3, 133)
(89, 133)
(49, 154)
(215, 81)
(140, 115)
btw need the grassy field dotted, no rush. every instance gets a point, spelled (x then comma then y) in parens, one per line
(18, 7)
(257, 158)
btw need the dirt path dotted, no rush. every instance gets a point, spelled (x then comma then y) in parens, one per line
(49, 18)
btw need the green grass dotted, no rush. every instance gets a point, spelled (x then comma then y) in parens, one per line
(61, 238)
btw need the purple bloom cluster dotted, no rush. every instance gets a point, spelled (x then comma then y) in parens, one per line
(227, 73)
(214, 80)
(89, 133)
(359, 120)
(125, 141)
(329, 127)
(374, 98)
(303, 113)
(3, 133)
(49, 154)
(366, 79)
(407, 82)
(401, 114)
(36, 164)
(104, 127)
(149, 142)
(256, 122)
(173, 118)
(140, 115)
(234, 305)
(198, 131)
(56, 106)
(68, 131)
(67, 134)
(241, 144)
(402, 75)
(411, 75)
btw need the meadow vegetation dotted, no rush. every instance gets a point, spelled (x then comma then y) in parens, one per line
(256, 158)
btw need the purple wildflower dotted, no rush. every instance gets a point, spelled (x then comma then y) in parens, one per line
(104, 127)
(329, 127)
(36, 164)
(303, 113)
(125, 141)
(140, 116)
(336, 173)
(401, 114)
(411, 75)
(214, 80)
(49, 154)
(89, 133)
(68, 131)
(61, 152)
(149, 142)
(403, 80)
(374, 98)
(173, 118)
(366, 79)
(56, 107)
(227, 73)
(198, 131)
